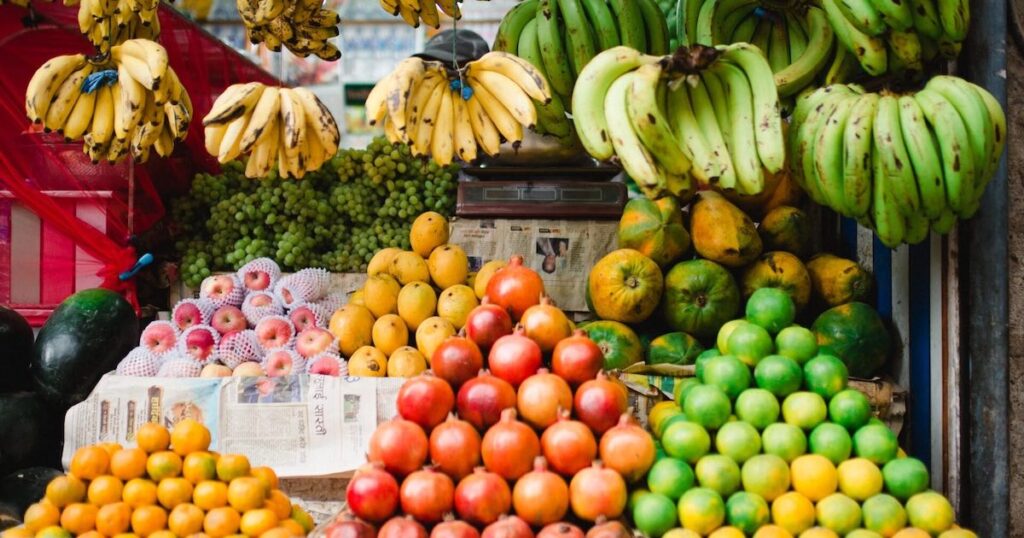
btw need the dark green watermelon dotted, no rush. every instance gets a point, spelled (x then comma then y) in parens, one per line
(30, 432)
(855, 333)
(88, 334)
(15, 351)
(26, 486)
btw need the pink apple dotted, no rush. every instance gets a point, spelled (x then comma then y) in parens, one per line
(314, 341)
(159, 337)
(281, 362)
(215, 370)
(222, 290)
(229, 319)
(238, 347)
(256, 280)
(260, 300)
(248, 369)
(199, 342)
(326, 365)
(190, 312)
(305, 316)
(274, 331)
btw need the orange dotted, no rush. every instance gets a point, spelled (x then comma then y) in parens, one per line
(221, 522)
(17, 532)
(173, 491)
(152, 437)
(148, 519)
(189, 436)
(105, 489)
(266, 475)
(113, 519)
(257, 522)
(126, 535)
(246, 493)
(41, 515)
(163, 464)
(139, 492)
(278, 532)
(78, 518)
(53, 532)
(199, 466)
(293, 526)
(232, 466)
(279, 503)
(210, 494)
(128, 463)
(303, 517)
(186, 519)
(90, 534)
(89, 462)
(160, 534)
(814, 476)
(64, 490)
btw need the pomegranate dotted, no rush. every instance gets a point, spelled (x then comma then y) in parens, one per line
(509, 447)
(540, 497)
(455, 447)
(349, 528)
(540, 397)
(597, 491)
(577, 359)
(427, 495)
(628, 449)
(482, 399)
(515, 288)
(546, 324)
(402, 527)
(456, 360)
(568, 445)
(608, 529)
(599, 403)
(453, 528)
(426, 400)
(487, 323)
(372, 494)
(400, 445)
(482, 497)
(560, 529)
(508, 527)
(515, 357)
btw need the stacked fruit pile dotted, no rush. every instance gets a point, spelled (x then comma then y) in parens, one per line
(170, 485)
(301, 26)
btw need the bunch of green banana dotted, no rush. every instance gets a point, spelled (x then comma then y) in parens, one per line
(301, 26)
(459, 115)
(109, 22)
(131, 101)
(414, 11)
(901, 164)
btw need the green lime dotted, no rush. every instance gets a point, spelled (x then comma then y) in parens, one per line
(766, 475)
(905, 477)
(703, 359)
(687, 441)
(863, 533)
(719, 473)
(838, 513)
(832, 441)
(784, 440)
(757, 407)
(750, 343)
(850, 409)
(797, 343)
(707, 405)
(771, 308)
(670, 477)
(804, 410)
(659, 451)
(930, 512)
(747, 511)
(779, 375)
(738, 440)
(722, 340)
(664, 424)
(875, 442)
(634, 496)
(701, 510)
(825, 375)
(683, 386)
(727, 373)
(654, 514)
(884, 514)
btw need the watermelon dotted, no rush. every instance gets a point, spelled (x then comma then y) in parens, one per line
(26, 486)
(15, 351)
(855, 333)
(30, 432)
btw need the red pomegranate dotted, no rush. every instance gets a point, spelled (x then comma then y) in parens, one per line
(577, 359)
(426, 400)
(515, 357)
(349, 528)
(540, 397)
(546, 324)
(515, 287)
(568, 445)
(487, 323)
(540, 496)
(455, 447)
(372, 494)
(597, 491)
(400, 445)
(509, 447)
(427, 495)
(482, 399)
(628, 449)
(600, 402)
(482, 497)
(560, 529)
(508, 527)
(453, 528)
(402, 527)
(456, 360)
(608, 529)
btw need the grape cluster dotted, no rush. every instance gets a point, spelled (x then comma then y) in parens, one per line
(360, 201)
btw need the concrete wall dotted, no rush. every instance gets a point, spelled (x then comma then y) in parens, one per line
(1015, 89)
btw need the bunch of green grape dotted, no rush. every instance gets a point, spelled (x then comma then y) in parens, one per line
(359, 202)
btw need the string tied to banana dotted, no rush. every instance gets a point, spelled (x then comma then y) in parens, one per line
(465, 90)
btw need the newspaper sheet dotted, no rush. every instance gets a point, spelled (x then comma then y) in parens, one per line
(302, 426)
(561, 251)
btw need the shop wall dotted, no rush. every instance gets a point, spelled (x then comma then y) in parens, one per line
(1015, 90)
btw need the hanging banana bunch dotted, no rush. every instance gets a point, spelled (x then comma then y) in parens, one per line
(301, 26)
(414, 11)
(110, 22)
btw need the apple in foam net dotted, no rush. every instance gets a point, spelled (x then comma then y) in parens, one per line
(279, 363)
(303, 317)
(256, 280)
(248, 369)
(326, 365)
(228, 319)
(217, 287)
(187, 315)
(159, 337)
(313, 341)
(274, 332)
(215, 370)
(199, 344)
(259, 300)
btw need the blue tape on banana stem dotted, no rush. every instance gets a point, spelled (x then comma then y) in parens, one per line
(467, 93)
(455, 85)
(99, 79)
(144, 260)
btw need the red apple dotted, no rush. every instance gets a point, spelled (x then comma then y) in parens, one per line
(256, 280)
(159, 337)
(228, 319)
(306, 316)
(222, 289)
(199, 343)
(281, 362)
(326, 365)
(260, 300)
(487, 323)
(314, 341)
(189, 313)
(274, 331)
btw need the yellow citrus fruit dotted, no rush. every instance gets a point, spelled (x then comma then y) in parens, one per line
(53, 532)
(406, 362)
(17, 532)
(958, 533)
(128, 463)
(127, 535)
(78, 518)
(911, 532)
(110, 447)
(772, 531)
(448, 266)
(839, 513)
(389, 333)
(380, 294)
(113, 519)
(64, 490)
(814, 476)
(793, 512)
(221, 522)
(257, 522)
(278, 532)
(483, 276)
(368, 361)
(381, 261)
(701, 510)
(431, 333)
(859, 479)
(104, 489)
(428, 231)
(148, 519)
(863, 533)
(173, 491)
(818, 532)
(279, 503)
(152, 437)
(246, 493)
(90, 462)
(210, 494)
(455, 304)
(931, 512)
(189, 435)
(267, 476)
(299, 514)
(185, 519)
(159, 534)
(163, 464)
(727, 532)
(416, 302)
(292, 526)
(352, 325)
(409, 267)
(38, 516)
(139, 492)
(232, 466)
(199, 466)
(680, 532)
(357, 298)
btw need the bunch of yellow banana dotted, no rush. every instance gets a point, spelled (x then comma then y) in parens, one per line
(289, 126)
(490, 101)
(413, 11)
(301, 26)
(900, 164)
(109, 22)
(131, 102)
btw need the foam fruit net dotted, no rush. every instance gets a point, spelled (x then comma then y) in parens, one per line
(236, 348)
(305, 286)
(179, 366)
(182, 347)
(253, 314)
(140, 362)
(288, 322)
(206, 309)
(234, 298)
(155, 326)
(298, 362)
(262, 265)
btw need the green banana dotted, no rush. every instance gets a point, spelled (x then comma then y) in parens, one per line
(974, 114)
(636, 160)
(917, 228)
(889, 223)
(724, 29)
(778, 49)
(650, 123)
(578, 34)
(707, 117)
(552, 48)
(808, 118)
(863, 16)
(844, 66)
(828, 156)
(767, 122)
(742, 126)
(657, 27)
(603, 23)
(692, 13)
(684, 32)
(893, 154)
(761, 38)
(924, 156)
(795, 28)
(906, 50)
(551, 116)
(631, 23)
(955, 147)
(926, 18)
(998, 117)
(895, 13)
(944, 224)
(719, 106)
(705, 165)
(512, 24)
(802, 70)
(857, 168)
(745, 29)
(955, 16)
(870, 51)
(705, 31)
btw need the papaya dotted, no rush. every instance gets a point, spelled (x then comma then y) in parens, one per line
(781, 270)
(752, 203)
(619, 344)
(838, 280)
(722, 233)
(856, 334)
(786, 192)
(625, 286)
(700, 296)
(655, 229)
(786, 228)
(674, 348)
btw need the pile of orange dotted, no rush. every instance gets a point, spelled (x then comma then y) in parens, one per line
(170, 486)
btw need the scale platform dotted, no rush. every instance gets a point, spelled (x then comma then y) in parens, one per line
(594, 200)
